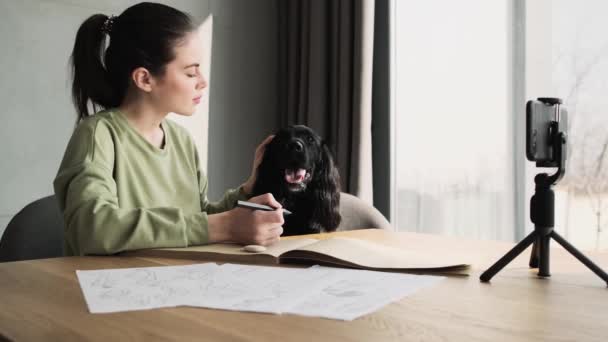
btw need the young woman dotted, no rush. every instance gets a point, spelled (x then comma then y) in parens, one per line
(131, 179)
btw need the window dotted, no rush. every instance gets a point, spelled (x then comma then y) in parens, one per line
(579, 75)
(453, 123)
(458, 115)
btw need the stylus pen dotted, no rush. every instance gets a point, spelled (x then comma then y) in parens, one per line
(255, 206)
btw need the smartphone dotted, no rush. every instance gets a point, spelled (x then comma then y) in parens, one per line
(542, 119)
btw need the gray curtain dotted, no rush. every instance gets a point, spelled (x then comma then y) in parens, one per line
(325, 80)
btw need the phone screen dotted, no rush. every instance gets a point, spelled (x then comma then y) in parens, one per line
(538, 122)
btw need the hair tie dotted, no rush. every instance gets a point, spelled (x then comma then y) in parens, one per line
(107, 25)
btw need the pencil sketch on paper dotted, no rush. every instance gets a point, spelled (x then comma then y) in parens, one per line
(315, 291)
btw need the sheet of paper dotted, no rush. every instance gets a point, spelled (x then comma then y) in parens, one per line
(316, 291)
(142, 288)
(353, 293)
(263, 288)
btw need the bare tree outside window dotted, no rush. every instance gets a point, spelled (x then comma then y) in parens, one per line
(580, 74)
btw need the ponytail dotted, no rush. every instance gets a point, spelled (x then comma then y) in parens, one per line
(91, 81)
(144, 35)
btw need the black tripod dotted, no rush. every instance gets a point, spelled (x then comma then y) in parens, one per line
(542, 213)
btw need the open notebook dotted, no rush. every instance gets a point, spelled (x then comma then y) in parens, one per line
(337, 251)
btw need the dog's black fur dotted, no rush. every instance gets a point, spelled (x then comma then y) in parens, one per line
(313, 197)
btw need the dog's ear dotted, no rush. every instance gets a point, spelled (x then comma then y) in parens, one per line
(326, 191)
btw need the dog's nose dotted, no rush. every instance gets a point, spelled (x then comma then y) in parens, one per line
(296, 146)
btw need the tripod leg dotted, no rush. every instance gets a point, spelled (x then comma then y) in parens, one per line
(502, 262)
(580, 256)
(543, 255)
(534, 255)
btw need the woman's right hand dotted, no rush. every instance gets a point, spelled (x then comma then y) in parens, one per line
(257, 160)
(246, 226)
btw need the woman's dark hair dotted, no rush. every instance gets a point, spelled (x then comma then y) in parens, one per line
(144, 35)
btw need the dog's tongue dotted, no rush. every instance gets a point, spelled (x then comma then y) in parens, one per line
(295, 176)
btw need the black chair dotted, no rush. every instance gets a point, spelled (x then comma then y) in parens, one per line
(36, 232)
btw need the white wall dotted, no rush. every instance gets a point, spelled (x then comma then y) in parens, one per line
(37, 115)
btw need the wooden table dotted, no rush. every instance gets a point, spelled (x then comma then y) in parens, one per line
(41, 301)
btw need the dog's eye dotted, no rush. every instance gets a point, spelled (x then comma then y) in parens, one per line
(310, 139)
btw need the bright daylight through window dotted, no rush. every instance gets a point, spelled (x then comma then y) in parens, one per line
(454, 158)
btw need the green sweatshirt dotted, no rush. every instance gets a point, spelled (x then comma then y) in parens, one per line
(118, 192)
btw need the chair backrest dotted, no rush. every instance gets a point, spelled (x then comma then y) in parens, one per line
(36, 232)
(358, 214)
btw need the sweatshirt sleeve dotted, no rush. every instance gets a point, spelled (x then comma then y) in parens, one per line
(95, 223)
(227, 202)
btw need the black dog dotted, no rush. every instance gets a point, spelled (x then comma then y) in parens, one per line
(299, 171)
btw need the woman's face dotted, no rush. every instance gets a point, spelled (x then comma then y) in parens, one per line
(181, 87)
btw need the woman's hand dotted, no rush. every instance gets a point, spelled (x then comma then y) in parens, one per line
(246, 226)
(257, 159)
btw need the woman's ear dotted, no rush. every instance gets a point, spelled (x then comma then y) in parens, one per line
(142, 79)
